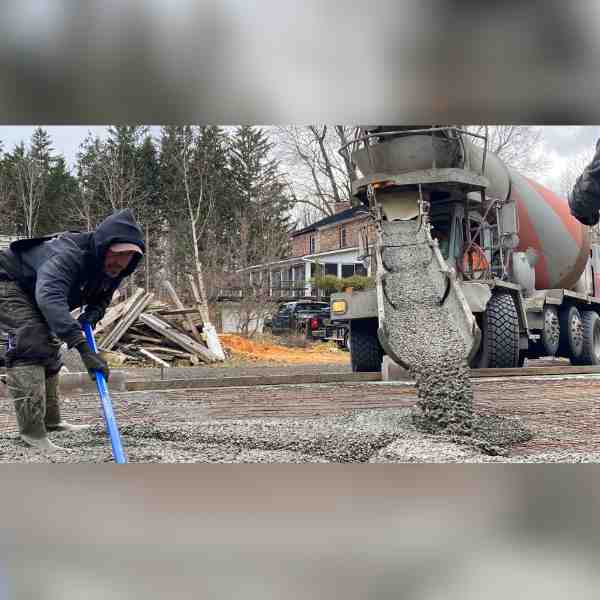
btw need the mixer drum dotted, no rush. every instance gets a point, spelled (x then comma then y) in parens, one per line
(546, 225)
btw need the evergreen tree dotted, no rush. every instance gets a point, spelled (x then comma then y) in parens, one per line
(41, 148)
(149, 212)
(260, 206)
(8, 206)
(29, 179)
(61, 192)
(173, 141)
(211, 170)
(90, 207)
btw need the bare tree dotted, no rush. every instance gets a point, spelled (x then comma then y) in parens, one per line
(318, 176)
(7, 196)
(193, 171)
(255, 303)
(573, 168)
(81, 206)
(199, 204)
(569, 174)
(118, 178)
(30, 184)
(519, 146)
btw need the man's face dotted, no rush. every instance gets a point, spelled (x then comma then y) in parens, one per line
(115, 262)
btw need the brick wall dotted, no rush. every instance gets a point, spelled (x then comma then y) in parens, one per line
(329, 237)
(300, 245)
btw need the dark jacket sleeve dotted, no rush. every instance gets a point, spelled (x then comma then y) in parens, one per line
(54, 280)
(101, 304)
(584, 200)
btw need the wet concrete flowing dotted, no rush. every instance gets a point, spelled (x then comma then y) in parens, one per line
(422, 331)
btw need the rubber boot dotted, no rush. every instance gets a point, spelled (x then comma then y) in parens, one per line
(53, 420)
(27, 388)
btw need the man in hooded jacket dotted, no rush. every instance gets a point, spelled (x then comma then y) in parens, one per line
(41, 281)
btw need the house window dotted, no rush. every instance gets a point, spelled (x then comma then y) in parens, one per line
(311, 244)
(360, 269)
(331, 269)
(289, 281)
(343, 236)
(347, 270)
(353, 269)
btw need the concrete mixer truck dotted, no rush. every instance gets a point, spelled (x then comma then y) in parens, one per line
(502, 255)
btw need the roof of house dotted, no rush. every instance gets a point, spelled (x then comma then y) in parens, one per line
(349, 213)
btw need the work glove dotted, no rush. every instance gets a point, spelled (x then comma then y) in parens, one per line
(92, 314)
(93, 361)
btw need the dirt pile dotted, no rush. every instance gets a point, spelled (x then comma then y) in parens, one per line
(274, 351)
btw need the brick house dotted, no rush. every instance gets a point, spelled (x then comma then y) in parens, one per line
(331, 246)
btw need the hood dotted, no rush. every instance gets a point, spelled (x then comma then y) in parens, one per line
(118, 227)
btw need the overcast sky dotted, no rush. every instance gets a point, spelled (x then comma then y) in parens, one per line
(560, 143)
(65, 139)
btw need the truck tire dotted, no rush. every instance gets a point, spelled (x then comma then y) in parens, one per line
(550, 336)
(347, 339)
(366, 353)
(571, 333)
(500, 334)
(549, 342)
(590, 355)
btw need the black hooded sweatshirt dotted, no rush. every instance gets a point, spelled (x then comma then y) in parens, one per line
(64, 272)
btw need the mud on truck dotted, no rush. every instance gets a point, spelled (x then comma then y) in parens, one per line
(501, 254)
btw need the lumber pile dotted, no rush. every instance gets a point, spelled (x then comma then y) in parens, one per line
(145, 330)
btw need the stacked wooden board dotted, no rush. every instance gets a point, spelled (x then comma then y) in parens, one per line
(142, 329)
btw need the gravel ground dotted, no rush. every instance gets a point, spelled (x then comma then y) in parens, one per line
(371, 436)
(368, 423)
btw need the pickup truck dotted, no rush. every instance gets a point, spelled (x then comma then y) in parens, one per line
(309, 318)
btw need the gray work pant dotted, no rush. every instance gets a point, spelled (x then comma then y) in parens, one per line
(30, 341)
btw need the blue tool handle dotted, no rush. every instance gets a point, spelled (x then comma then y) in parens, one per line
(109, 416)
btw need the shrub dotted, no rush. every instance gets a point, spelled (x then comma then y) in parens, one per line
(358, 282)
(328, 283)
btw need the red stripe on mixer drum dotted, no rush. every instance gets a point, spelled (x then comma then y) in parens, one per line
(528, 238)
(561, 208)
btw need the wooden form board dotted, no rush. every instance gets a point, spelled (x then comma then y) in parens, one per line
(155, 358)
(130, 318)
(171, 351)
(177, 311)
(180, 339)
(169, 287)
(117, 311)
